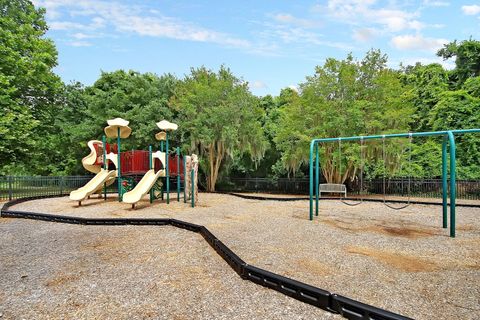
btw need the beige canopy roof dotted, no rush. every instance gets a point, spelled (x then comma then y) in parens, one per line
(118, 123)
(167, 125)
(162, 135)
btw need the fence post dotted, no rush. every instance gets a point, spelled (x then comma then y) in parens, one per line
(10, 191)
(61, 185)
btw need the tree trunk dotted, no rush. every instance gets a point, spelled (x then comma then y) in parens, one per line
(216, 153)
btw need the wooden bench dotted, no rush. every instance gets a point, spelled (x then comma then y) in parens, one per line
(332, 188)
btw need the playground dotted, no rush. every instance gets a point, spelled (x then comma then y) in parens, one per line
(400, 261)
(363, 257)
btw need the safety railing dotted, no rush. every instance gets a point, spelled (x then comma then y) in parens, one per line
(419, 187)
(282, 185)
(15, 187)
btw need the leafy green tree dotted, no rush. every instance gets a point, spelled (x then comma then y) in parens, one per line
(460, 110)
(140, 98)
(472, 86)
(28, 85)
(427, 83)
(218, 118)
(467, 59)
(343, 98)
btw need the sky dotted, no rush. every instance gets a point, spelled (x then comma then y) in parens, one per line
(270, 44)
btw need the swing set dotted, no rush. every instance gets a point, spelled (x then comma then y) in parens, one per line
(448, 141)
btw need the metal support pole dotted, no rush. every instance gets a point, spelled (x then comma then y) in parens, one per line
(105, 164)
(167, 175)
(310, 176)
(149, 157)
(444, 182)
(453, 182)
(119, 174)
(192, 177)
(178, 174)
(317, 178)
(185, 179)
(150, 167)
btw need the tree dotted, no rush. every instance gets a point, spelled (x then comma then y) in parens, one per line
(467, 59)
(427, 83)
(140, 98)
(28, 85)
(460, 110)
(343, 98)
(218, 117)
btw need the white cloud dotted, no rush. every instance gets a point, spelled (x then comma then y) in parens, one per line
(364, 34)
(435, 3)
(125, 18)
(66, 25)
(81, 36)
(471, 10)
(290, 19)
(290, 35)
(363, 12)
(417, 42)
(95, 24)
(79, 43)
(258, 85)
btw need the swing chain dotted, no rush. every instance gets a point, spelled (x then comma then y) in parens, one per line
(361, 170)
(410, 136)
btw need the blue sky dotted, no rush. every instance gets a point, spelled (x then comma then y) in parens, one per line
(270, 44)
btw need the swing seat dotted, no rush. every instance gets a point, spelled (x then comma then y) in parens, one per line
(332, 188)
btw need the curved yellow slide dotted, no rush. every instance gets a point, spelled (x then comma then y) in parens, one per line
(93, 185)
(143, 187)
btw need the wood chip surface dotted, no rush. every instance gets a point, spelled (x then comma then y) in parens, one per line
(402, 261)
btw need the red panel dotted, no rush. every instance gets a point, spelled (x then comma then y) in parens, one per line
(99, 150)
(172, 165)
(134, 162)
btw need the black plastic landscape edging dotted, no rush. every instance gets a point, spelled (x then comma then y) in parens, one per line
(251, 197)
(323, 299)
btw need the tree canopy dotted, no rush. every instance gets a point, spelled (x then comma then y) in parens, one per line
(29, 88)
(220, 118)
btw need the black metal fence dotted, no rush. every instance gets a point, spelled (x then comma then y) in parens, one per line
(422, 188)
(282, 185)
(12, 187)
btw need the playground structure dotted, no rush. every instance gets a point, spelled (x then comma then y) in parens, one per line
(156, 169)
(448, 140)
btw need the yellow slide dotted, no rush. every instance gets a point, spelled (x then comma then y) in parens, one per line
(93, 185)
(143, 187)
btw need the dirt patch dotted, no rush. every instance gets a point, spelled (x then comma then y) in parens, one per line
(312, 266)
(411, 232)
(63, 279)
(466, 227)
(406, 232)
(342, 225)
(397, 260)
(6, 220)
